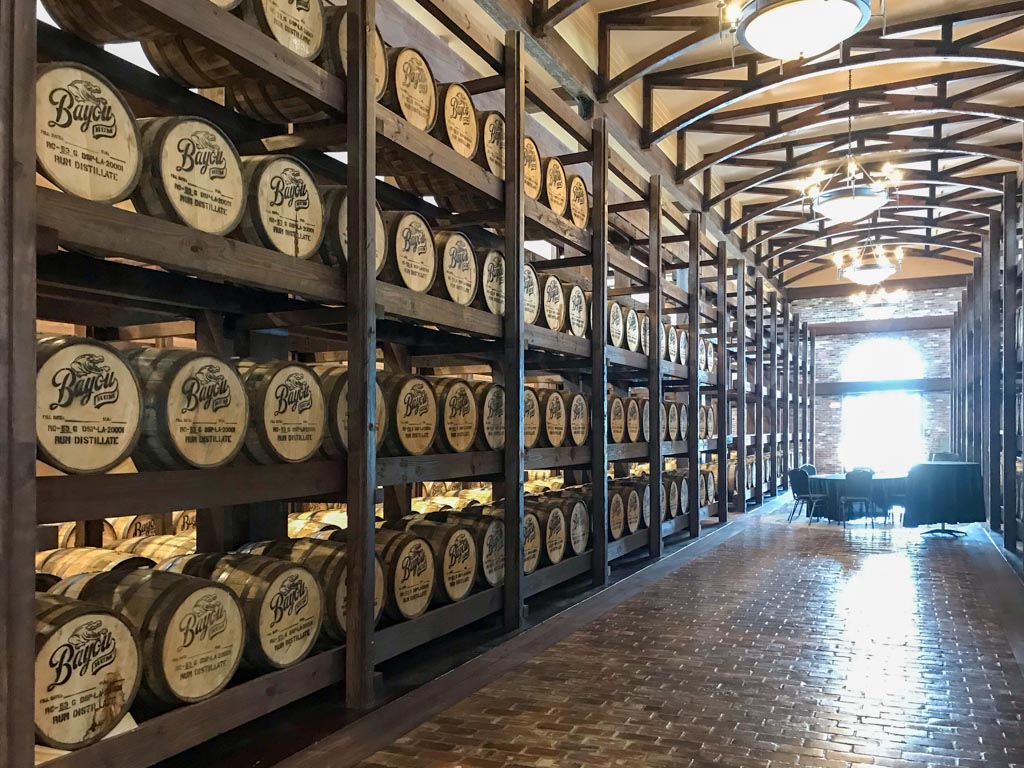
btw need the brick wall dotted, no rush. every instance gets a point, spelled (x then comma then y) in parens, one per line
(832, 351)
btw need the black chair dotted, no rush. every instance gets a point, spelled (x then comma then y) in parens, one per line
(810, 469)
(800, 484)
(857, 491)
(943, 456)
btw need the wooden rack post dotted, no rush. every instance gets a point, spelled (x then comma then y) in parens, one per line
(759, 394)
(805, 456)
(787, 395)
(741, 388)
(599, 353)
(974, 366)
(17, 382)
(773, 393)
(1010, 368)
(514, 363)
(655, 307)
(794, 336)
(362, 353)
(810, 397)
(990, 369)
(724, 425)
(694, 391)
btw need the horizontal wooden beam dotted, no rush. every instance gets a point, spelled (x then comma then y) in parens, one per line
(908, 283)
(933, 323)
(835, 388)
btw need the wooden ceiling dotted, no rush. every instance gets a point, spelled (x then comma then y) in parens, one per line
(938, 91)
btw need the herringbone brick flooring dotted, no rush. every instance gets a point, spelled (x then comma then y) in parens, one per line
(784, 646)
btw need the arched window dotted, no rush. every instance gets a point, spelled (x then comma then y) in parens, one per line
(882, 359)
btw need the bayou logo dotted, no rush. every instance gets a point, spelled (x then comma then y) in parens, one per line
(615, 323)
(458, 256)
(459, 552)
(496, 134)
(90, 648)
(289, 190)
(294, 394)
(555, 407)
(556, 176)
(416, 401)
(496, 541)
(496, 407)
(202, 151)
(87, 380)
(205, 621)
(414, 75)
(144, 527)
(207, 389)
(496, 271)
(553, 292)
(554, 525)
(291, 598)
(529, 408)
(80, 102)
(529, 533)
(459, 404)
(414, 238)
(531, 160)
(579, 195)
(578, 414)
(459, 108)
(577, 304)
(414, 563)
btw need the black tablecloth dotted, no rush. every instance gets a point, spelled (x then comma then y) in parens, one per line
(944, 492)
(886, 492)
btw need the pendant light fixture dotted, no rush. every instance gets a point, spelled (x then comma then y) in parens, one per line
(795, 29)
(868, 266)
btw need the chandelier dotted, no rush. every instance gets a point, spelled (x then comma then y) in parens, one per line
(794, 29)
(879, 297)
(850, 193)
(868, 266)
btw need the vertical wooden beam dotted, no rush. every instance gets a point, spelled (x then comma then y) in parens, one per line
(973, 363)
(759, 478)
(741, 385)
(991, 368)
(954, 373)
(722, 388)
(17, 380)
(786, 395)
(362, 353)
(810, 397)
(514, 364)
(655, 308)
(599, 353)
(805, 399)
(1011, 282)
(693, 372)
(773, 394)
(797, 390)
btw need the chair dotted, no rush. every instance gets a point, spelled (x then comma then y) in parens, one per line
(943, 456)
(800, 484)
(810, 469)
(857, 491)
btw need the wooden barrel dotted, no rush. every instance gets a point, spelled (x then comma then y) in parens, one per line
(298, 25)
(455, 557)
(684, 345)
(191, 174)
(531, 295)
(579, 201)
(196, 411)
(732, 477)
(491, 295)
(191, 630)
(489, 534)
(490, 153)
(334, 248)
(579, 417)
(531, 535)
(711, 416)
(87, 142)
(555, 418)
(490, 409)
(663, 342)
(633, 426)
(133, 526)
(702, 422)
(532, 420)
(88, 405)
(616, 326)
(282, 602)
(328, 560)
(334, 381)
(684, 421)
(555, 192)
(157, 547)
(633, 504)
(553, 526)
(66, 534)
(111, 21)
(671, 344)
(412, 259)
(68, 562)
(45, 580)
(284, 211)
(287, 415)
(684, 495)
(711, 482)
(408, 572)
(663, 415)
(645, 333)
(533, 171)
(632, 328)
(553, 303)
(711, 353)
(457, 124)
(645, 420)
(190, 62)
(576, 310)
(578, 513)
(86, 671)
(457, 405)
(334, 55)
(616, 513)
(411, 92)
(412, 414)
(460, 280)
(670, 497)
(672, 421)
(702, 355)
(313, 529)
(616, 419)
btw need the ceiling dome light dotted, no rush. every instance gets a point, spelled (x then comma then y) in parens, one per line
(799, 29)
(846, 204)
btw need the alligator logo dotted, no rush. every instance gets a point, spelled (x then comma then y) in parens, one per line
(86, 380)
(80, 102)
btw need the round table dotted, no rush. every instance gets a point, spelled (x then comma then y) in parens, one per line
(886, 492)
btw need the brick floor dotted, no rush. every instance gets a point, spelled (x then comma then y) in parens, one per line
(784, 646)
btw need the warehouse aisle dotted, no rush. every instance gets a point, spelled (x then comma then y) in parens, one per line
(783, 646)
